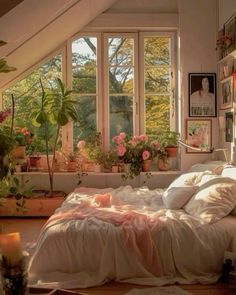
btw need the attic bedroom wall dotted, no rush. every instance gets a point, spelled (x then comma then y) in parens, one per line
(197, 31)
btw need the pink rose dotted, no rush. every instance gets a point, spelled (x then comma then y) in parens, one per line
(120, 150)
(143, 137)
(155, 144)
(133, 143)
(81, 144)
(122, 135)
(145, 155)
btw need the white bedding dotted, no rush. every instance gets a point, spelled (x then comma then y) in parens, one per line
(90, 252)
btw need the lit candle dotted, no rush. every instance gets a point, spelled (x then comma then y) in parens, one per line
(10, 246)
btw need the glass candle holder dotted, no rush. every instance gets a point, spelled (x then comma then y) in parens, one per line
(14, 277)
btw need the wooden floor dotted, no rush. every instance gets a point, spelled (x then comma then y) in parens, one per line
(29, 229)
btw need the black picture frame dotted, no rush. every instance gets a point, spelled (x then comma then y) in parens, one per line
(202, 95)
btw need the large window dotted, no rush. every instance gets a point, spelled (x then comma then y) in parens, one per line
(134, 91)
(123, 82)
(27, 95)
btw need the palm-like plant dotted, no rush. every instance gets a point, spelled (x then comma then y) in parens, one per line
(57, 108)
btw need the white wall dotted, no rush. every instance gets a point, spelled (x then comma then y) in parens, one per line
(197, 31)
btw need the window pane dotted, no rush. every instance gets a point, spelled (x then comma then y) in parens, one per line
(157, 51)
(121, 115)
(84, 70)
(157, 117)
(121, 80)
(120, 51)
(27, 94)
(84, 80)
(86, 124)
(157, 79)
(84, 52)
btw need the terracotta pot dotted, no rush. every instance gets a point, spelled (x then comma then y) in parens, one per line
(171, 151)
(97, 168)
(18, 152)
(146, 165)
(163, 165)
(114, 169)
(72, 166)
(34, 161)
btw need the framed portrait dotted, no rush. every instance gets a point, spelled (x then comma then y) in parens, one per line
(202, 95)
(229, 29)
(234, 87)
(226, 89)
(199, 135)
(229, 126)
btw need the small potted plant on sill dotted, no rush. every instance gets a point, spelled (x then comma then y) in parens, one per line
(163, 163)
(72, 162)
(169, 141)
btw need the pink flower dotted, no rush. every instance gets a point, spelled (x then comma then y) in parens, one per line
(143, 137)
(155, 144)
(133, 143)
(120, 150)
(81, 144)
(4, 115)
(122, 135)
(145, 155)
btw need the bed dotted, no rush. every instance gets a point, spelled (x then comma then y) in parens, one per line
(137, 235)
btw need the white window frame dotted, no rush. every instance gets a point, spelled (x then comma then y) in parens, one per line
(106, 83)
(173, 104)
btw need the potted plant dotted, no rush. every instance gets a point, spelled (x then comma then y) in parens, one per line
(169, 141)
(56, 109)
(72, 162)
(163, 163)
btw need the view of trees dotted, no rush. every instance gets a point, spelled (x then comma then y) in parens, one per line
(120, 56)
(27, 93)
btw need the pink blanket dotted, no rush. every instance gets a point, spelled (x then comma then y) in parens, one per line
(136, 228)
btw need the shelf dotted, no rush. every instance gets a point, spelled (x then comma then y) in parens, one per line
(227, 78)
(230, 55)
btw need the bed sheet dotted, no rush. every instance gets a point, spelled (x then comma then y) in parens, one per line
(90, 252)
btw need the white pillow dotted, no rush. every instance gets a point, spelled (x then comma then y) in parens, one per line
(176, 197)
(214, 200)
(214, 166)
(229, 172)
(182, 189)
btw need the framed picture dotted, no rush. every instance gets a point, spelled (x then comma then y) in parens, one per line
(229, 127)
(202, 95)
(198, 135)
(229, 28)
(234, 87)
(226, 89)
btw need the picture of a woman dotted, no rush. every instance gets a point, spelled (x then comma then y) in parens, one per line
(202, 100)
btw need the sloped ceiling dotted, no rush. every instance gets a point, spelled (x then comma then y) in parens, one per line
(35, 28)
(7, 5)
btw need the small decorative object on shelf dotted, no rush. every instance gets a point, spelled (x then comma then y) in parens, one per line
(13, 265)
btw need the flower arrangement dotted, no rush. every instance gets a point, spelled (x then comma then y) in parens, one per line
(22, 136)
(135, 150)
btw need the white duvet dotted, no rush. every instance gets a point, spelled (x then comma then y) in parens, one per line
(89, 252)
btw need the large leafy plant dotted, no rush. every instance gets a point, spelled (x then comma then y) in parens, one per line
(56, 109)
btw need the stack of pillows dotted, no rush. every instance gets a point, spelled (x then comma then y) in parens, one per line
(204, 194)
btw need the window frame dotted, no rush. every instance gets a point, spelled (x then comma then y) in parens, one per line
(106, 84)
(173, 55)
